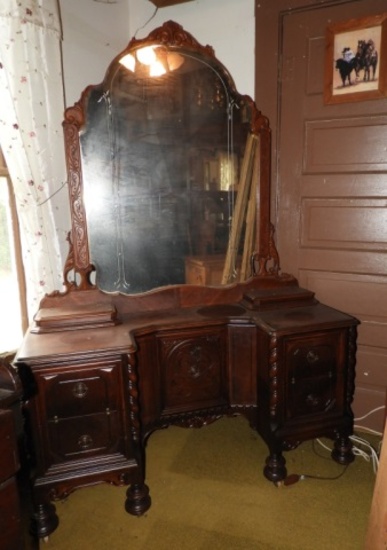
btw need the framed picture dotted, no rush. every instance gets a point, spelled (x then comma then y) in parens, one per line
(356, 60)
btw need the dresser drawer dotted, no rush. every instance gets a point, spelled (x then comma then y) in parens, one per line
(74, 438)
(308, 359)
(83, 390)
(314, 374)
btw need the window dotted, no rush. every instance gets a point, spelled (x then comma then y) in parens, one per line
(13, 318)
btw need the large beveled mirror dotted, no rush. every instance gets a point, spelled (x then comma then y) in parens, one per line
(168, 168)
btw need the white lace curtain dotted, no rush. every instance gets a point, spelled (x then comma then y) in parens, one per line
(31, 137)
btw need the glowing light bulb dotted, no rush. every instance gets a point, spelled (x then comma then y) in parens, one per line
(157, 69)
(146, 55)
(175, 60)
(128, 61)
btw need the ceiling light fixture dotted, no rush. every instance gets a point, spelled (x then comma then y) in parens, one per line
(157, 58)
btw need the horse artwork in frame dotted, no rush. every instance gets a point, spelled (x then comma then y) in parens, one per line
(355, 60)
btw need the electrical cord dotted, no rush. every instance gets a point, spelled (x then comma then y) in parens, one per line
(294, 478)
(369, 454)
(146, 22)
(370, 412)
(368, 430)
(372, 455)
(291, 479)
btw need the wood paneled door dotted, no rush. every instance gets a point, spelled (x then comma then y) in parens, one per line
(330, 181)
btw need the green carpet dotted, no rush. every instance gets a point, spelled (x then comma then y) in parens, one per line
(208, 493)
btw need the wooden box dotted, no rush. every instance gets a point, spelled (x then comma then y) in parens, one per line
(205, 270)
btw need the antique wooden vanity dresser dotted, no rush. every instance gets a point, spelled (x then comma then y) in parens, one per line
(169, 179)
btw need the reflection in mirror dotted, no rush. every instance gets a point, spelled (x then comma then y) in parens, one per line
(167, 170)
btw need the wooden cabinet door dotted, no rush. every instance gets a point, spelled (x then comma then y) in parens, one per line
(315, 373)
(193, 369)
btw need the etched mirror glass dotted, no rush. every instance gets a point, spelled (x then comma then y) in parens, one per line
(162, 151)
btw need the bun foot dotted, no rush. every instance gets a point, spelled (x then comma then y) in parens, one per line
(342, 451)
(44, 521)
(138, 500)
(275, 468)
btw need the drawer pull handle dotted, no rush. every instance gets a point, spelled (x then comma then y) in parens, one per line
(80, 390)
(312, 357)
(85, 442)
(107, 411)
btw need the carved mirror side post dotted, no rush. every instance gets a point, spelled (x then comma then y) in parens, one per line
(79, 257)
(265, 247)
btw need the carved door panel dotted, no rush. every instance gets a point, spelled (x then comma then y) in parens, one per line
(332, 218)
(193, 369)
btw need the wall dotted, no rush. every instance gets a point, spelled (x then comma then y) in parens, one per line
(94, 32)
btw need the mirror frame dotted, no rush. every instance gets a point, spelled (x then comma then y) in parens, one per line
(173, 36)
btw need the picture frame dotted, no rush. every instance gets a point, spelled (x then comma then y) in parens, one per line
(356, 60)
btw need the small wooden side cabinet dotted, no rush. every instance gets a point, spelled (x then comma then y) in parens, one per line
(11, 536)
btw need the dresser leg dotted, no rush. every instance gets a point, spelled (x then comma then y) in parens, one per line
(44, 520)
(342, 451)
(275, 469)
(138, 500)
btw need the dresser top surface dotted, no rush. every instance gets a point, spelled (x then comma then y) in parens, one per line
(121, 338)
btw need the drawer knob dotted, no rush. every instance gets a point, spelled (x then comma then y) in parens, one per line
(80, 390)
(312, 357)
(85, 442)
(313, 400)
